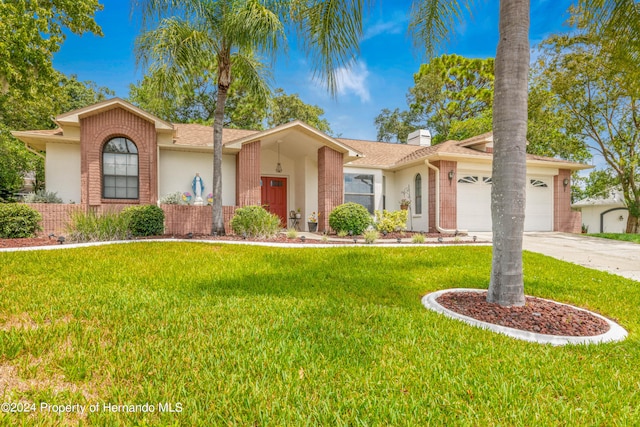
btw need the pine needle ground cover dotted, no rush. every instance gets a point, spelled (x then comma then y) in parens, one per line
(235, 335)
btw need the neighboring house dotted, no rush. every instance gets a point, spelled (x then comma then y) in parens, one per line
(604, 214)
(113, 153)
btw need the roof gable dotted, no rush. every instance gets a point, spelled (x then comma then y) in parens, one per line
(73, 117)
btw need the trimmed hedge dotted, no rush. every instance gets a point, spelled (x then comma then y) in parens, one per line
(146, 220)
(18, 220)
(350, 217)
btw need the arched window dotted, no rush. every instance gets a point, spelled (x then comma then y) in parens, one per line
(120, 169)
(418, 192)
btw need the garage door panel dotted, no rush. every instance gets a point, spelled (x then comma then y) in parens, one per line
(474, 202)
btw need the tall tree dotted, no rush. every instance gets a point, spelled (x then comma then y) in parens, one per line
(286, 108)
(31, 90)
(221, 37)
(600, 96)
(194, 101)
(395, 126)
(451, 88)
(431, 20)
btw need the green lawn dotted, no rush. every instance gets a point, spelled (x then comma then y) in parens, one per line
(238, 335)
(618, 236)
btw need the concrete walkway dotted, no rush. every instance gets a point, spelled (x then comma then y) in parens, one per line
(613, 256)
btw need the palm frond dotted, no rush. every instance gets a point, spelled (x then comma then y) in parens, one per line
(251, 74)
(331, 30)
(617, 20)
(432, 22)
(178, 48)
(253, 25)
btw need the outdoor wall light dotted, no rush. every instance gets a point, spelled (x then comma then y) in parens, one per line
(620, 218)
(565, 182)
(451, 174)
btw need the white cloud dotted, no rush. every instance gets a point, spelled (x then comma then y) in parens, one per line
(353, 79)
(396, 25)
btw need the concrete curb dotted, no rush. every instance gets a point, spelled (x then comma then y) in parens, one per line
(615, 333)
(248, 243)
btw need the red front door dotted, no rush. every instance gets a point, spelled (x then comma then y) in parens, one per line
(274, 196)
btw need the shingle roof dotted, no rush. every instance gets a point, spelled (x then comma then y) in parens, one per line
(381, 154)
(202, 135)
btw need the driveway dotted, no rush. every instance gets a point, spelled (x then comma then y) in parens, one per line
(613, 256)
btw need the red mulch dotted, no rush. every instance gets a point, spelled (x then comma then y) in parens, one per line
(537, 315)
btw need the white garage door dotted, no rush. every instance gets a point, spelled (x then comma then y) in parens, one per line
(539, 213)
(474, 203)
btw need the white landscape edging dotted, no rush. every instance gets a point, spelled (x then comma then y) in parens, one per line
(615, 333)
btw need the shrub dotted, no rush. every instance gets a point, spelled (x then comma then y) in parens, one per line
(42, 196)
(292, 233)
(254, 221)
(147, 220)
(90, 227)
(18, 220)
(390, 221)
(350, 217)
(174, 198)
(418, 238)
(370, 236)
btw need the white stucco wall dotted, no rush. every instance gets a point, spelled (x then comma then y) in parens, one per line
(62, 171)
(177, 169)
(611, 222)
(406, 179)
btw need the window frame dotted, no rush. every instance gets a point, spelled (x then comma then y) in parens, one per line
(126, 163)
(417, 193)
(361, 194)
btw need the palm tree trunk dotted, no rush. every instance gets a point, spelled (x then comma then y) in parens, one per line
(509, 154)
(224, 81)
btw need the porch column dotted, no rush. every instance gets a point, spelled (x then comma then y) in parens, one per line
(248, 175)
(564, 219)
(330, 184)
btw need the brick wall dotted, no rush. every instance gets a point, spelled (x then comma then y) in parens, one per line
(182, 219)
(248, 191)
(330, 184)
(564, 218)
(448, 196)
(95, 131)
(179, 219)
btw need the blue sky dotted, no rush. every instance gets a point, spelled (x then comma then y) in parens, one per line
(379, 79)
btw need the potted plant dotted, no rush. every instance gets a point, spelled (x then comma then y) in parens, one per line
(298, 214)
(312, 222)
(405, 201)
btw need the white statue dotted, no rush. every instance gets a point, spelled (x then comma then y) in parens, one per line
(198, 187)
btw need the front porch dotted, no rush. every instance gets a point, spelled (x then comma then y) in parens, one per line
(291, 168)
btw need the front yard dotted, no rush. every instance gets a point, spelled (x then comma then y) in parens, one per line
(238, 335)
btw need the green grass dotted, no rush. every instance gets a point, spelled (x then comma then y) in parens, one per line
(242, 335)
(619, 236)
